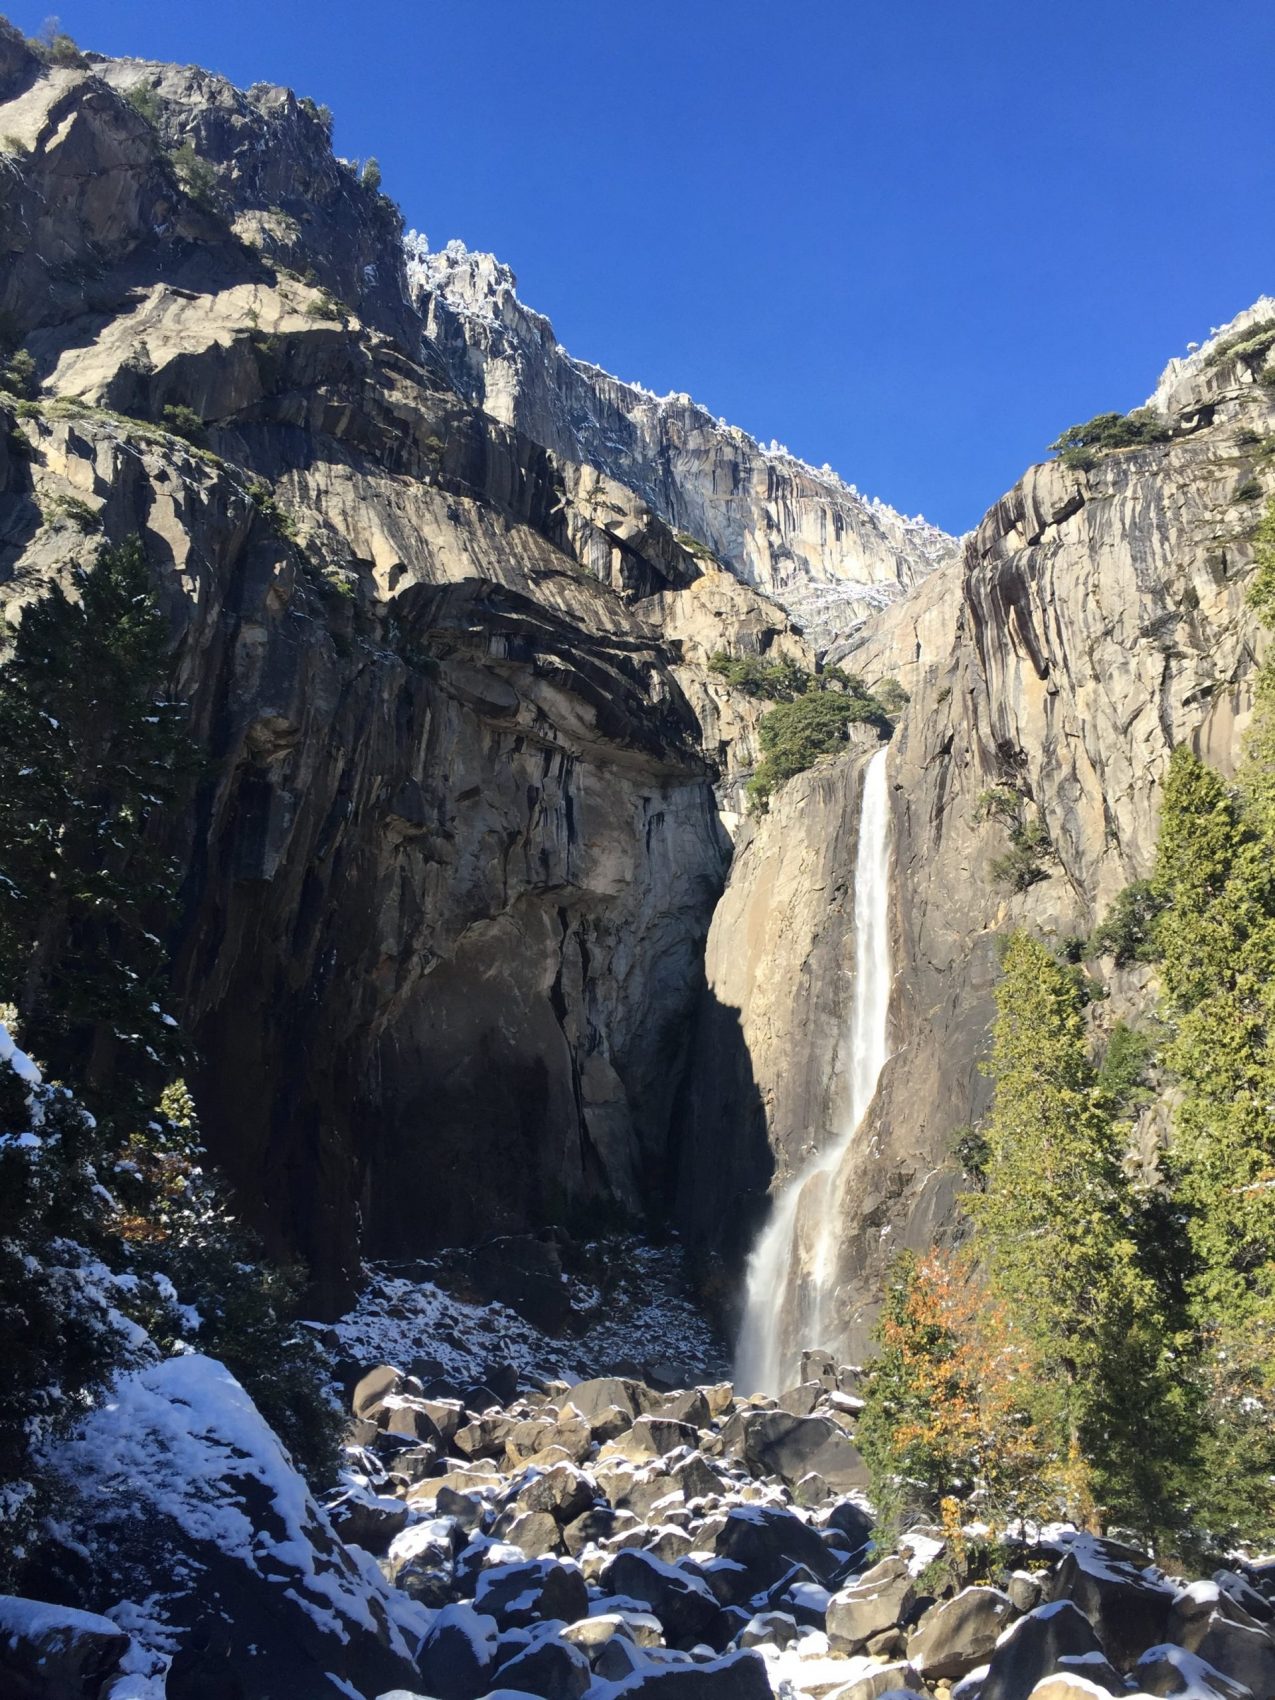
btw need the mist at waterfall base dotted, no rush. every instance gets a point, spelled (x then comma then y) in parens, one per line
(792, 1270)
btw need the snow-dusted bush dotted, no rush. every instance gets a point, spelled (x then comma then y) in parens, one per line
(64, 1333)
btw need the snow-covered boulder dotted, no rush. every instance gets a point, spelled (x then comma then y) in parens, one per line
(52, 1650)
(184, 1498)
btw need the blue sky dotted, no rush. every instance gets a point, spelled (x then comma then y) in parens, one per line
(913, 238)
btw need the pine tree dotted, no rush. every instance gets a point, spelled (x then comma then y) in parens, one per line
(1215, 872)
(1057, 1230)
(90, 750)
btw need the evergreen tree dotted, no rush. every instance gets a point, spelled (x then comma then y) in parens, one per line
(175, 1215)
(1215, 871)
(90, 749)
(1057, 1230)
(63, 1335)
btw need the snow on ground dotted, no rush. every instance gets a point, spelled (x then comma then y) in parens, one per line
(642, 1317)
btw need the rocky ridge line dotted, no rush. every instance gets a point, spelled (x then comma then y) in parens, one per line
(826, 553)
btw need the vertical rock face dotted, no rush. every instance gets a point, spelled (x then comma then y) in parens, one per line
(1096, 621)
(460, 834)
(828, 554)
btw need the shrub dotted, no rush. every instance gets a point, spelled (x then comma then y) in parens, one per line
(778, 681)
(197, 177)
(278, 518)
(1250, 490)
(1249, 345)
(1080, 446)
(56, 47)
(999, 803)
(1029, 841)
(327, 307)
(795, 734)
(145, 102)
(320, 115)
(184, 422)
(372, 174)
(177, 1220)
(892, 697)
(75, 511)
(1127, 931)
(17, 375)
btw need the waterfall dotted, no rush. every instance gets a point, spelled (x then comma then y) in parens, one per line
(792, 1269)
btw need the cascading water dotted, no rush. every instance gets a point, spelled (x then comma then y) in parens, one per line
(792, 1269)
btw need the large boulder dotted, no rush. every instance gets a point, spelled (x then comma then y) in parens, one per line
(768, 1541)
(873, 1602)
(1128, 1608)
(776, 1443)
(562, 1491)
(458, 1654)
(684, 1603)
(738, 1676)
(957, 1635)
(372, 1388)
(56, 1653)
(898, 1679)
(655, 1437)
(551, 1668)
(518, 1594)
(689, 1406)
(1171, 1672)
(178, 1474)
(1217, 1630)
(1053, 1639)
(592, 1398)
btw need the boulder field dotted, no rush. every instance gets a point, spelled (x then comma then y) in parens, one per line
(579, 1542)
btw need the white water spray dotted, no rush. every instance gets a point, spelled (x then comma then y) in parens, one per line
(792, 1269)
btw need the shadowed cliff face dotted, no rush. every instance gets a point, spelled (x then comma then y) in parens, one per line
(459, 837)
(1096, 620)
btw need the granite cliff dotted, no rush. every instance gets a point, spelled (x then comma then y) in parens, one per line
(827, 554)
(1096, 620)
(464, 815)
(477, 934)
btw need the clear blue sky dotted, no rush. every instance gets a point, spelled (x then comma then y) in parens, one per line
(914, 238)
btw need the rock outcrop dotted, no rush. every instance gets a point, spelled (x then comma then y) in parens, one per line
(826, 553)
(1097, 620)
(463, 820)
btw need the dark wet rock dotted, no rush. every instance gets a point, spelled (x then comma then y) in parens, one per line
(684, 1604)
(517, 1595)
(553, 1669)
(1128, 1610)
(457, 1656)
(1053, 1639)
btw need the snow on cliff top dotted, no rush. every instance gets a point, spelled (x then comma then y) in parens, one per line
(487, 278)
